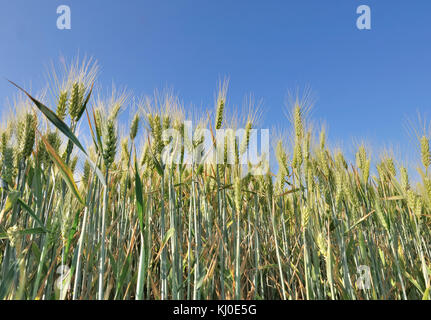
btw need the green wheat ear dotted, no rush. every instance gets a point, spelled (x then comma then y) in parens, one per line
(219, 114)
(8, 165)
(425, 152)
(4, 141)
(134, 127)
(322, 139)
(62, 105)
(27, 133)
(75, 101)
(125, 156)
(166, 122)
(281, 159)
(297, 156)
(73, 164)
(246, 140)
(86, 173)
(298, 123)
(98, 122)
(110, 143)
(404, 179)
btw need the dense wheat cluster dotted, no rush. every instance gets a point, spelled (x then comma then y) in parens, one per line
(113, 220)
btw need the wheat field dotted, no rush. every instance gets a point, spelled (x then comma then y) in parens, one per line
(89, 211)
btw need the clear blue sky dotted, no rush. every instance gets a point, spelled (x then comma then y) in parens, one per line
(366, 82)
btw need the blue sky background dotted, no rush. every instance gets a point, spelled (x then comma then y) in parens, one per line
(366, 83)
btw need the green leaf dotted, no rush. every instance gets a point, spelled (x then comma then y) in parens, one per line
(7, 280)
(55, 120)
(426, 295)
(32, 231)
(36, 186)
(414, 282)
(124, 271)
(3, 235)
(36, 251)
(11, 199)
(84, 105)
(31, 212)
(97, 127)
(65, 171)
(96, 144)
(139, 200)
(60, 125)
(72, 232)
(157, 165)
(168, 235)
(381, 216)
